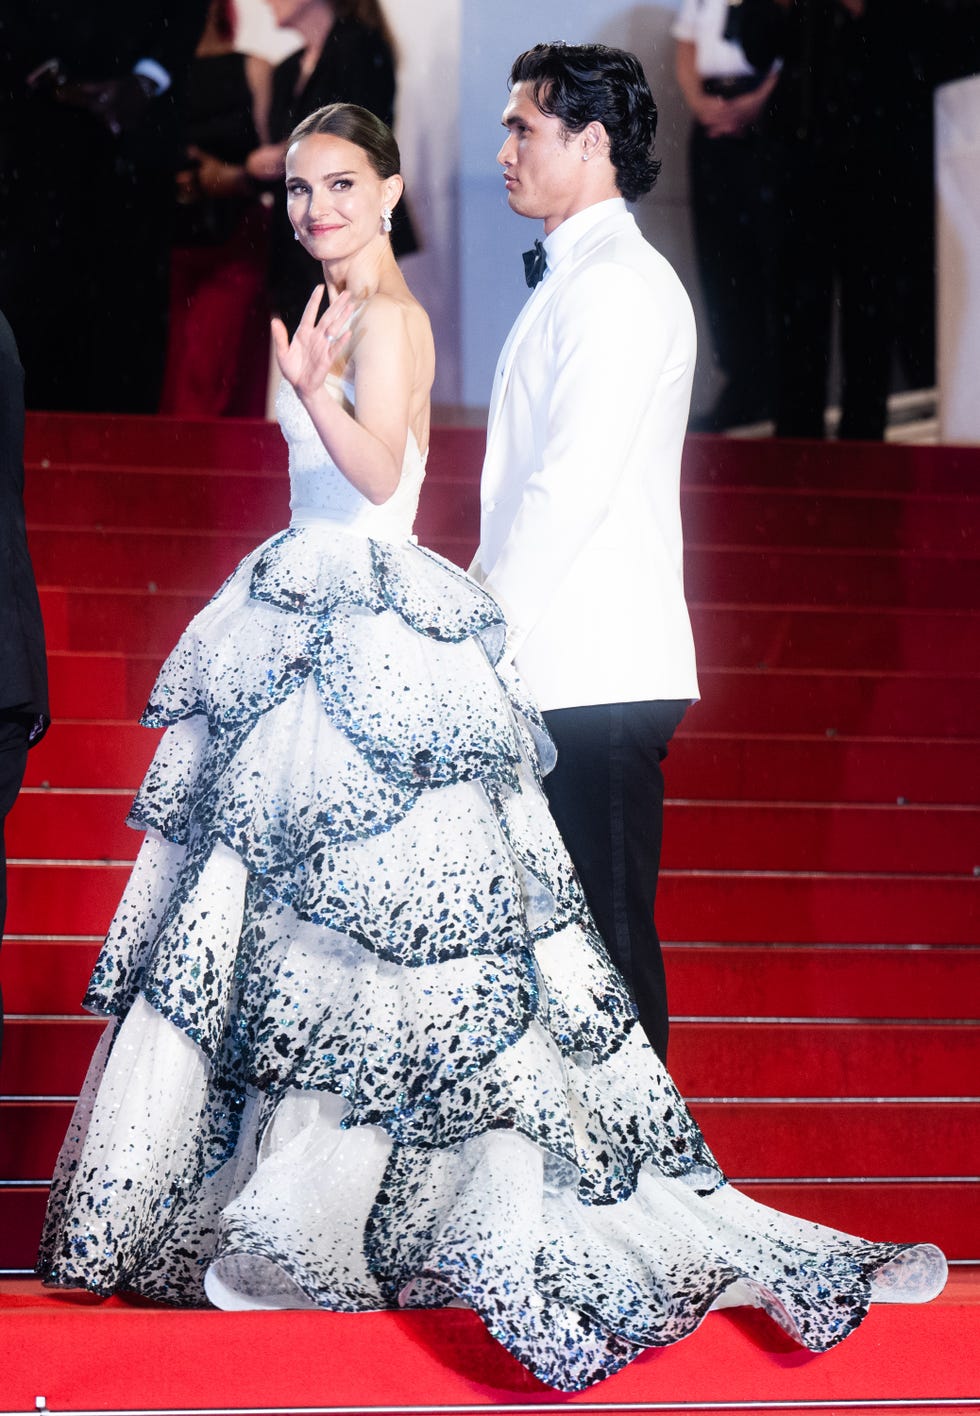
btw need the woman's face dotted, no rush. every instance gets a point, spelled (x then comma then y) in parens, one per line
(334, 197)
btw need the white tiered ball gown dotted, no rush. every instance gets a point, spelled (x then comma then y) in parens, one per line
(366, 1049)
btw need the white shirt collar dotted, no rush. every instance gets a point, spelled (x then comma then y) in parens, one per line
(564, 237)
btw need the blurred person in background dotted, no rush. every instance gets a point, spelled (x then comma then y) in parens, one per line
(24, 713)
(218, 311)
(348, 56)
(844, 130)
(90, 131)
(731, 203)
(948, 44)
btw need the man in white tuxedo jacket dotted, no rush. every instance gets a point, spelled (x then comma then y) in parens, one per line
(580, 535)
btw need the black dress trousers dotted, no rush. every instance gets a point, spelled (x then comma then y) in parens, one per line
(606, 794)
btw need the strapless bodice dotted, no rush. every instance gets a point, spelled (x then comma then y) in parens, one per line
(319, 491)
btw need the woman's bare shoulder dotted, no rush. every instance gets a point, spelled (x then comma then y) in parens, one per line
(390, 310)
(395, 317)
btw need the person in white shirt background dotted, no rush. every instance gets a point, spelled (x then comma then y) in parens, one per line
(732, 198)
(580, 538)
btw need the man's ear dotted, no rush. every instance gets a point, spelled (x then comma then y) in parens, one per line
(593, 138)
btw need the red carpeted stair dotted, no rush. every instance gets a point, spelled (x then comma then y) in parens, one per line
(820, 900)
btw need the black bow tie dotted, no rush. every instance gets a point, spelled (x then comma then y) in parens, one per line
(535, 264)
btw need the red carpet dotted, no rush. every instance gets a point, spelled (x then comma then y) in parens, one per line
(820, 900)
(74, 1351)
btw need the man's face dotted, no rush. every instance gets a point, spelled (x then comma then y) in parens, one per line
(542, 163)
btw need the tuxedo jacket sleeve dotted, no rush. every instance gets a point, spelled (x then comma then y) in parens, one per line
(580, 528)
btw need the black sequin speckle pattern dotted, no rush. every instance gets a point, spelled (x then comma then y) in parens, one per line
(365, 1046)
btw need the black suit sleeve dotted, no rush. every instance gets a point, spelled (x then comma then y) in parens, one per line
(764, 31)
(952, 40)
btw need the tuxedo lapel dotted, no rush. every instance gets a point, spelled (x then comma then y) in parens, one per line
(532, 308)
(541, 297)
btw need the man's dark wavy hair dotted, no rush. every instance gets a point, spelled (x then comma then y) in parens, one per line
(593, 83)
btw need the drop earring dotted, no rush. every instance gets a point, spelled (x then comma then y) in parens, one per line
(386, 219)
(295, 235)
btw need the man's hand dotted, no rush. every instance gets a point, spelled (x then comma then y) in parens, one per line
(268, 163)
(736, 115)
(710, 112)
(216, 178)
(728, 122)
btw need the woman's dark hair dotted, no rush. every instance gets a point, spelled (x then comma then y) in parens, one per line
(593, 83)
(358, 126)
(369, 13)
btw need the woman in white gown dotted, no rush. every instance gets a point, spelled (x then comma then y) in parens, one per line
(365, 1047)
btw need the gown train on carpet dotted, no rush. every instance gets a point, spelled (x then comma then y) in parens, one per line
(365, 1047)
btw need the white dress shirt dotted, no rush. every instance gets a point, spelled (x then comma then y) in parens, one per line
(702, 23)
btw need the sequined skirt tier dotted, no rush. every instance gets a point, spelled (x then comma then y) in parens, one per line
(365, 1049)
